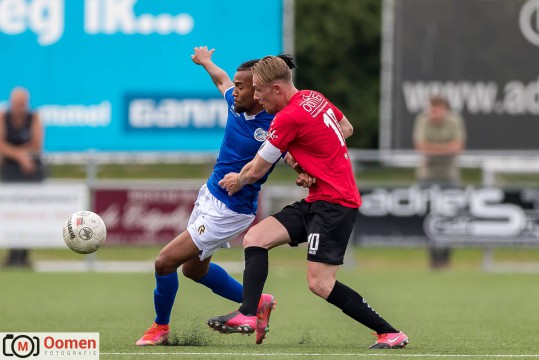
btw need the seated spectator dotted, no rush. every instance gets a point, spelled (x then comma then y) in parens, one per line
(21, 144)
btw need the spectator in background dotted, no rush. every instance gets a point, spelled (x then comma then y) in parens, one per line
(21, 144)
(439, 136)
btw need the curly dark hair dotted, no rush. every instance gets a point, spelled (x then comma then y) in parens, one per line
(287, 58)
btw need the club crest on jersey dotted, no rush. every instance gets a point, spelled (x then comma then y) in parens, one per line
(260, 134)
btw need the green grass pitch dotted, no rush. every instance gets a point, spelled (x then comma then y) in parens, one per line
(460, 313)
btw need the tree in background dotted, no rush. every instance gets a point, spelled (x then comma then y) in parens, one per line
(337, 48)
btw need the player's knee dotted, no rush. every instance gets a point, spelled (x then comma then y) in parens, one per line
(318, 286)
(193, 273)
(252, 239)
(187, 272)
(163, 265)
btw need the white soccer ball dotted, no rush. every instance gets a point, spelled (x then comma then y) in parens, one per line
(84, 232)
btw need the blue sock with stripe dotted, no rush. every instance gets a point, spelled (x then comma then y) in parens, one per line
(222, 284)
(164, 296)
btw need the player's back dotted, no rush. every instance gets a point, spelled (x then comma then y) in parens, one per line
(318, 145)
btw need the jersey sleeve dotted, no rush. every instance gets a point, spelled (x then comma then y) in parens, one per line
(228, 96)
(269, 152)
(338, 113)
(282, 131)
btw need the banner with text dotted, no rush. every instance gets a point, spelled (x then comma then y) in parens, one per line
(142, 216)
(448, 217)
(116, 75)
(33, 215)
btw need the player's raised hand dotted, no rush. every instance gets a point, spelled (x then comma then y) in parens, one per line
(202, 55)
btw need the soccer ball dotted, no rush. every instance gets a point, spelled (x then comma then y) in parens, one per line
(84, 232)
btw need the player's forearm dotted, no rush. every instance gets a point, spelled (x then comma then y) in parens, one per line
(292, 163)
(297, 168)
(218, 75)
(247, 176)
(253, 171)
(347, 130)
(346, 127)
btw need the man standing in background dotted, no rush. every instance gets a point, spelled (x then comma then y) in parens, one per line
(439, 136)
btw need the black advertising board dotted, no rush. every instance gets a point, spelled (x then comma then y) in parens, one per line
(482, 55)
(481, 217)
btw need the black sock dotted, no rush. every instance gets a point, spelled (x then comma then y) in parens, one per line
(254, 278)
(353, 305)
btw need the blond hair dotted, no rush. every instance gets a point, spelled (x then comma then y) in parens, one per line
(272, 68)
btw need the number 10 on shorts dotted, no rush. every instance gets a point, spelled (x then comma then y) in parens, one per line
(313, 240)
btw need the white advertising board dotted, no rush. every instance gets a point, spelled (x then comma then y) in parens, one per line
(33, 215)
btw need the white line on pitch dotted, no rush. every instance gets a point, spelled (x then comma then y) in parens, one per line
(320, 354)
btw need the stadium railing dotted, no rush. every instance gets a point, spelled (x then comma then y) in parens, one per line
(491, 163)
(397, 158)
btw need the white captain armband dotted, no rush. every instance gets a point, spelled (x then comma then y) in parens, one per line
(269, 152)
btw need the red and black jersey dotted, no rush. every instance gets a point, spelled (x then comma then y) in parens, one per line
(308, 127)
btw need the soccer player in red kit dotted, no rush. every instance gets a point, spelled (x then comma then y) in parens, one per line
(313, 131)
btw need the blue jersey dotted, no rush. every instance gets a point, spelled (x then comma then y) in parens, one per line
(244, 134)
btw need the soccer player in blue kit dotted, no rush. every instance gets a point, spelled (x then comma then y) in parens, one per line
(217, 217)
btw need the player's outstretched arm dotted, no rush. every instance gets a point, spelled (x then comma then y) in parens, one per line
(249, 174)
(220, 78)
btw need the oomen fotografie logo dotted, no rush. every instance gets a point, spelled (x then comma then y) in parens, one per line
(50, 346)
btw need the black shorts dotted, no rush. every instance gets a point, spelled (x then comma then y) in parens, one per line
(325, 226)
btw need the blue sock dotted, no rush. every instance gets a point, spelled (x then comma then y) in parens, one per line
(222, 284)
(164, 295)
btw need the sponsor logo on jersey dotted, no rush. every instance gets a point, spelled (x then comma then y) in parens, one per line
(271, 135)
(313, 103)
